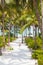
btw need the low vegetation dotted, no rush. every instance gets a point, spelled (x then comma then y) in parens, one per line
(6, 40)
(31, 43)
(37, 52)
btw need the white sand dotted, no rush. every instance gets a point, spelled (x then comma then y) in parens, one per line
(19, 56)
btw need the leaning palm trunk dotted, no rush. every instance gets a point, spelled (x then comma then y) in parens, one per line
(3, 5)
(42, 20)
(9, 36)
(35, 6)
(3, 31)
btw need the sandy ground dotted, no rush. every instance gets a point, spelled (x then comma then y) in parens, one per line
(20, 55)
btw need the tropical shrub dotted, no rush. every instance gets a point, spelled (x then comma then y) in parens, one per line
(40, 61)
(38, 42)
(38, 54)
(32, 44)
(6, 40)
(29, 42)
(10, 48)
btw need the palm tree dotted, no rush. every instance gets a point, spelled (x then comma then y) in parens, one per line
(35, 6)
(3, 5)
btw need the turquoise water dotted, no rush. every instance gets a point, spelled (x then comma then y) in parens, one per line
(26, 32)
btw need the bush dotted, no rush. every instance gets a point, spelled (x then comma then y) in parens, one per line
(27, 40)
(40, 61)
(38, 42)
(10, 48)
(11, 39)
(6, 40)
(31, 43)
(38, 54)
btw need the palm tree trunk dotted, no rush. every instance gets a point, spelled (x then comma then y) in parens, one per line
(42, 20)
(38, 31)
(0, 52)
(3, 5)
(35, 37)
(9, 35)
(35, 6)
(13, 31)
(3, 31)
